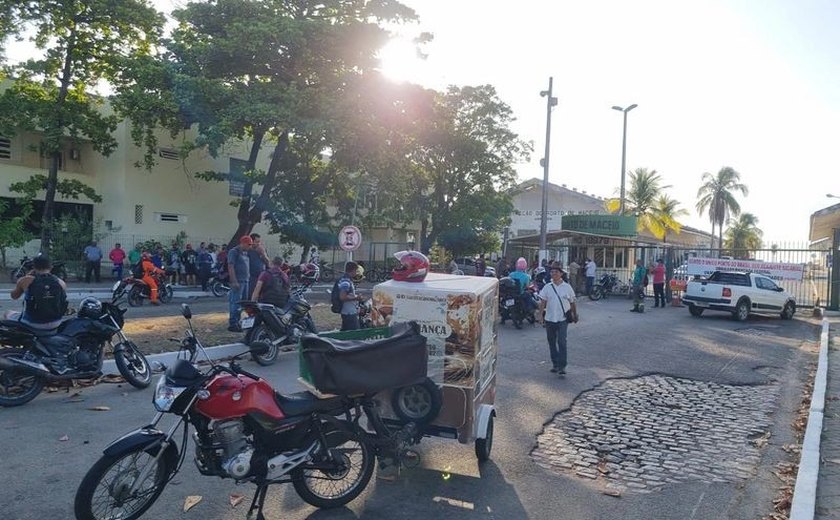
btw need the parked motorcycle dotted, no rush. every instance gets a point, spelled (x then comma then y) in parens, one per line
(75, 350)
(512, 304)
(279, 328)
(26, 267)
(219, 283)
(246, 431)
(135, 290)
(608, 284)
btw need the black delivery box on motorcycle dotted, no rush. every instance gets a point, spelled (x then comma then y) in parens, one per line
(350, 367)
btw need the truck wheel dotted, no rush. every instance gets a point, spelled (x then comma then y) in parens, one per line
(789, 311)
(695, 310)
(742, 310)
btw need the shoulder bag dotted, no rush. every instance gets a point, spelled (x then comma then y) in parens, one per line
(566, 313)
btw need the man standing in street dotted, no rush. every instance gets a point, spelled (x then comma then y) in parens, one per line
(659, 284)
(556, 299)
(134, 256)
(639, 275)
(117, 256)
(574, 275)
(258, 259)
(189, 259)
(350, 300)
(590, 267)
(480, 266)
(239, 273)
(93, 261)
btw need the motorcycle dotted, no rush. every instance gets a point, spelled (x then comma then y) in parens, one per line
(75, 350)
(515, 306)
(365, 309)
(246, 431)
(135, 290)
(608, 284)
(279, 328)
(219, 283)
(26, 267)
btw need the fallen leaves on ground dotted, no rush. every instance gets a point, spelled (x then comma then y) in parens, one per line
(100, 408)
(191, 501)
(236, 499)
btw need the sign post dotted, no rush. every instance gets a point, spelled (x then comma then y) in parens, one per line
(349, 240)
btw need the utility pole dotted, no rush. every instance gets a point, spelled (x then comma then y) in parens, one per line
(550, 103)
(623, 153)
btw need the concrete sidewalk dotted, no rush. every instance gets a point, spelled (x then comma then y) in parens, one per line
(828, 486)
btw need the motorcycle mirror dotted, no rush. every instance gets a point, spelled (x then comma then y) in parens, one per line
(186, 311)
(259, 347)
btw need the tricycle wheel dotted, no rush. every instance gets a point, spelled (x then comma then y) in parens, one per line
(483, 446)
(419, 403)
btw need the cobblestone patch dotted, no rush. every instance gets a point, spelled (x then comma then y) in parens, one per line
(643, 433)
(754, 331)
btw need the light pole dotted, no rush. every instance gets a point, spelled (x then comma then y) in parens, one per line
(830, 196)
(550, 103)
(623, 153)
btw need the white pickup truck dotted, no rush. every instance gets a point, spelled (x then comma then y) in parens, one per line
(740, 293)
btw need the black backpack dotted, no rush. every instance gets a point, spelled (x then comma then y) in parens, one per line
(46, 300)
(137, 270)
(335, 298)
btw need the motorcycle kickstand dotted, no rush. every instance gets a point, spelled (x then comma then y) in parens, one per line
(255, 512)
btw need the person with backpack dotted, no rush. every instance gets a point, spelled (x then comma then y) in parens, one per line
(273, 285)
(639, 282)
(344, 299)
(45, 296)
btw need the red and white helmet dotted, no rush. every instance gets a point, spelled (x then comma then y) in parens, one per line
(521, 264)
(310, 272)
(413, 266)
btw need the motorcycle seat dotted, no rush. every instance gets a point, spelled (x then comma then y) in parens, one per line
(19, 325)
(305, 403)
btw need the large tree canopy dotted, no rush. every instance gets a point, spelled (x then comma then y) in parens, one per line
(81, 43)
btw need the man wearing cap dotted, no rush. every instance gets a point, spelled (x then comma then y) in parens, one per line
(239, 272)
(556, 299)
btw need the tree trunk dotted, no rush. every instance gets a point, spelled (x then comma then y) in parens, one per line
(52, 175)
(425, 245)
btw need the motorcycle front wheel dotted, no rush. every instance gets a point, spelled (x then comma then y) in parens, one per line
(261, 333)
(596, 293)
(166, 293)
(135, 296)
(133, 365)
(17, 388)
(219, 289)
(350, 462)
(105, 492)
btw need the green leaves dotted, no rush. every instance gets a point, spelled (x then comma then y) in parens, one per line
(67, 188)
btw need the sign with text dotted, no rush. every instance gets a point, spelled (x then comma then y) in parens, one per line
(612, 225)
(773, 270)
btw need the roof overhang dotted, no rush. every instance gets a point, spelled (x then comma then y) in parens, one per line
(534, 240)
(824, 222)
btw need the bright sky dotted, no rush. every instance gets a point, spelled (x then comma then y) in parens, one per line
(751, 84)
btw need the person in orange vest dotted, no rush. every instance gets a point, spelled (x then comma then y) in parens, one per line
(149, 269)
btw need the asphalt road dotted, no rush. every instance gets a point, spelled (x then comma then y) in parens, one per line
(42, 472)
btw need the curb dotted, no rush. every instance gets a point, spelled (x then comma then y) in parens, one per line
(106, 295)
(167, 358)
(803, 506)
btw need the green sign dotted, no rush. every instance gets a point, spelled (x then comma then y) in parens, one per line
(613, 225)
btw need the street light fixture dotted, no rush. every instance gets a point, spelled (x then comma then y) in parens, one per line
(830, 196)
(623, 153)
(550, 103)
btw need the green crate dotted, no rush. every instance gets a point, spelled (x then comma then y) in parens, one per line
(361, 334)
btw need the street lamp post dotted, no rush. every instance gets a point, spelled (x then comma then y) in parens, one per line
(550, 103)
(830, 196)
(623, 153)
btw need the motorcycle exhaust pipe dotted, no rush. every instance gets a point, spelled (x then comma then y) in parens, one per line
(38, 369)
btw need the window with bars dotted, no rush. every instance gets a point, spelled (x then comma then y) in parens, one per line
(138, 214)
(5, 148)
(169, 153)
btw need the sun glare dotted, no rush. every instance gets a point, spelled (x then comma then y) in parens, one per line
(398, 60)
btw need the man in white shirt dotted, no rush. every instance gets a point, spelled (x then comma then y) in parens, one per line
(556, 299)
(590, 275)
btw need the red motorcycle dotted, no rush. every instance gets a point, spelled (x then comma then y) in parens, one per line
(246, 431)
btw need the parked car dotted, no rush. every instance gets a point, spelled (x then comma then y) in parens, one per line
(740, 293)
(467, 265)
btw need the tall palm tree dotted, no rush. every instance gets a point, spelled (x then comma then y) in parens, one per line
(743, 235)
(716, 197)
(645, 188)
(665, 212)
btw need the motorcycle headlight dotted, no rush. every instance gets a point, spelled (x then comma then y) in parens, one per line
(116, 285)
(165, 395)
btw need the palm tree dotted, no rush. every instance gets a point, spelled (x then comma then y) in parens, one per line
(665, 213)
(743, 235)
(716, 197)
(645, 188)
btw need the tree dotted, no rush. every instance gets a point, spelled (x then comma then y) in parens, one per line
(665, 212)
(13, 228)
(645, 189)
(743, 235)
(465, 241)
(256, 70)
(716, 197)
(82, 43)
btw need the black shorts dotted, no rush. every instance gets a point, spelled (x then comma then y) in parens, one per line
(190, 269)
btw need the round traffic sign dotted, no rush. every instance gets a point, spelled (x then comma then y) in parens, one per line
(349, 238)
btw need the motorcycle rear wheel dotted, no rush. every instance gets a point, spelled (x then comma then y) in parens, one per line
(327, 489)
(133, 365)
(111, 491)
(219, 289)
(596, 293)
(261, 333)
(17, 388)
(135, 296)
